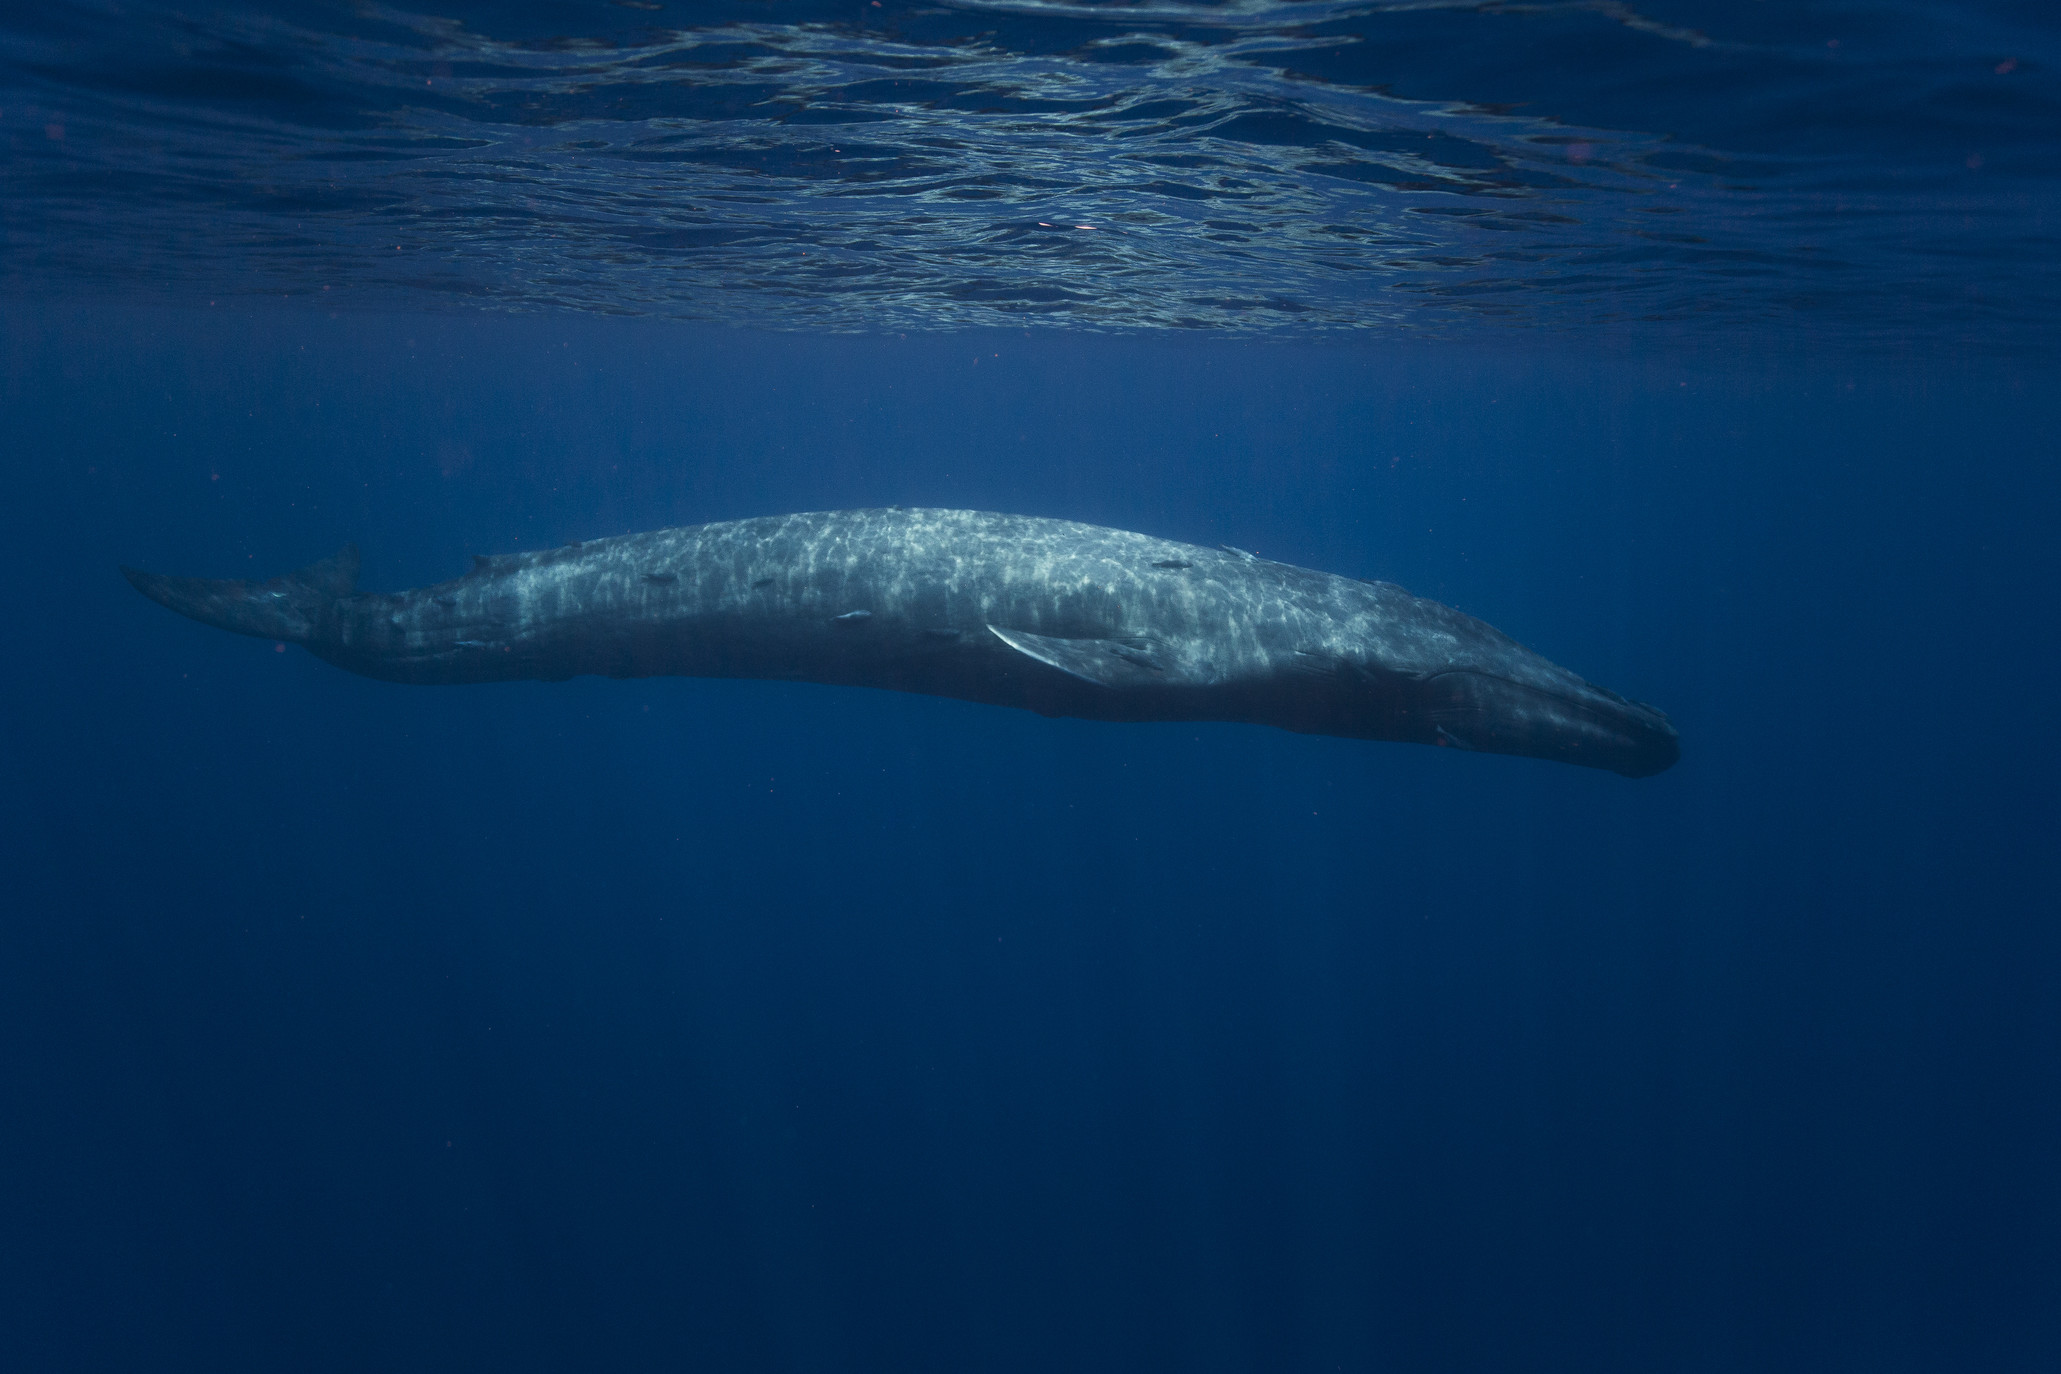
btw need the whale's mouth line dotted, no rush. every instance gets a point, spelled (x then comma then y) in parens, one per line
(1649, 715)
(1489, 712)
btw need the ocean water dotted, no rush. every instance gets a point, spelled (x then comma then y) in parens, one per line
(688, 1024)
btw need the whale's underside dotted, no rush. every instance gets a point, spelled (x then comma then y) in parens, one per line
(1047, 615)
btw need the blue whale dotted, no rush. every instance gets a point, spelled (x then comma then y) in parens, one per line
(1052, 616)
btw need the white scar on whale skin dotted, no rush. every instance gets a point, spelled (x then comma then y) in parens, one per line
(1051, 616)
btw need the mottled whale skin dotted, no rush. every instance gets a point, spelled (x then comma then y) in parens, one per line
(1052, 616)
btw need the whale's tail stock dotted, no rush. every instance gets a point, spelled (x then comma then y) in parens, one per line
(292, 607)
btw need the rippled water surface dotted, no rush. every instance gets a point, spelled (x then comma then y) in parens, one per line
(1872, 172)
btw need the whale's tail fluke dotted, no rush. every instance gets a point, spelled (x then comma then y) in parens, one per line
(291, 608)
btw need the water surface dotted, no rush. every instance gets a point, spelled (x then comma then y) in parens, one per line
(1868, 172)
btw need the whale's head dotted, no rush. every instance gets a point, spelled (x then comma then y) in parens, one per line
(1436, 675)
(1571, 721)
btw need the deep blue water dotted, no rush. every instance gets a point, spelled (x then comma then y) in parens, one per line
(675, 1023)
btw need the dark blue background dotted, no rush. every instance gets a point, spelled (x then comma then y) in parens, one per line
(680, 1024)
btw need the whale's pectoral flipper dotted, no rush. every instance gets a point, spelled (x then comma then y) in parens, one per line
(1104, 662)
(290, 607)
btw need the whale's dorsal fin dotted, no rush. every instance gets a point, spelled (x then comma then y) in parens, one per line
(336, 575)
(1104, 662)
(483, 563)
